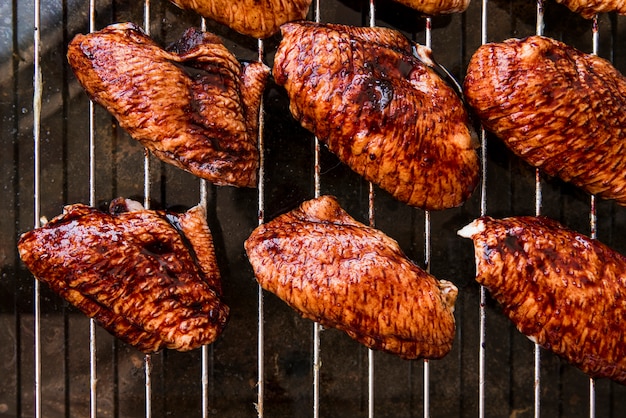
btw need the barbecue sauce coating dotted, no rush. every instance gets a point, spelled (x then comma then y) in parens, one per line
(436, 7)
(150, 278)
(338, 272)
(380, 109)
(562, 289)
(259, 19)
(589, 8)
(193, 105)
(557, 108)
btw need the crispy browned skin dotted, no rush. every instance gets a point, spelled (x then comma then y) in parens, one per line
(557, 108)
(260, 19)
(589, 8)
(338, 272)
(148, 277)
(436, 7)
(193, 105)
(562, 289)
(380, 109)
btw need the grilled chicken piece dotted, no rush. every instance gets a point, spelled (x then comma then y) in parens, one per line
(436, 7)
(565, 291)
(150, 278)
(589, 8)
(559, 109)
(371, 95)
(193, 105)
(338, 272)
(260, 19)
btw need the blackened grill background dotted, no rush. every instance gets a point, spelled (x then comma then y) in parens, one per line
(232, 362)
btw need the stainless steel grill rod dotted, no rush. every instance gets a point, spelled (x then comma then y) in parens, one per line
(146, 189)
(483, 211)
(595, 38)
(93, 377)
(538, 203)
(37, 92)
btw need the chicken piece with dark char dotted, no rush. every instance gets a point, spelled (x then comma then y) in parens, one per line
(373, 97)
(332, 269)
(260, 19)
(563, 290)
(193, 104)
(589, 8)
(148, 277)
(436, 7)
(559, 109)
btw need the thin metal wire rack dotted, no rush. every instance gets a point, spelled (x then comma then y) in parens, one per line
(482, 355)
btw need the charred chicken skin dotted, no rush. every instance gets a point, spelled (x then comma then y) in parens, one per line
(371, 95)
(564, 291)
(260, 19)
(559, 109)
(436, 7)
(193, 105)
(338, 272)
(589, 8)
(150, 278)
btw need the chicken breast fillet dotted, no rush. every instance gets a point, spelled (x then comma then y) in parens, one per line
(565, 291)
(338, 272)
(371, 95)
(260, 19)
(559, 109)
(193, 105)
(150, 278)
(436, 7)
(589, 8)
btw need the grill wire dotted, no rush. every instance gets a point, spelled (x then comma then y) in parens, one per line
(30, 359)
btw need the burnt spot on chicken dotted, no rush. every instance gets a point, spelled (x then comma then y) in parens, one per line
(260, 19)
(334, 270)
(193, 105)
(560, 288)
(150, 278)
(557, 108)
(372, 96)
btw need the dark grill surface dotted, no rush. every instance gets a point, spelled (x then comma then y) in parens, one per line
(46, 162)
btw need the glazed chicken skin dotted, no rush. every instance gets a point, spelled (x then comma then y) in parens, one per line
(334, 270)
(260, 19)
(436, 7)
(372, 97)
(150, 278)
(564, 291)
(589, 8)
(557, 108)
(193, 105)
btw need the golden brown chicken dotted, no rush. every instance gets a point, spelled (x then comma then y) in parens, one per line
(371, 95)
(193, 105)
(148, 277)
(338, 272)
(260, 19)
(565, 291)
(436, 7)
(589, 8)
(558, 108)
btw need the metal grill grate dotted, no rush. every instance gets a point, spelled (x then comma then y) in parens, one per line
(61, 149)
